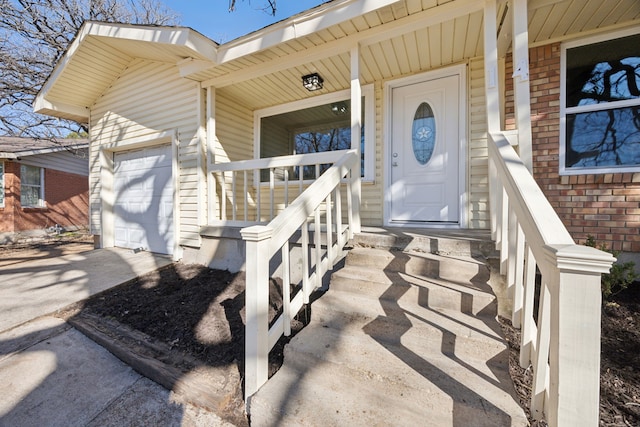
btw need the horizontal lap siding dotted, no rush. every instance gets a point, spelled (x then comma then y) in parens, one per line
(372, 192)
(233, 141)
(479, 216)
(150, 97)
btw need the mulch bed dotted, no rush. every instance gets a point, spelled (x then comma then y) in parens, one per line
(619, 364)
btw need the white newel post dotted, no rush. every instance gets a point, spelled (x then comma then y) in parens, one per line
(257, 239)
(574, 348)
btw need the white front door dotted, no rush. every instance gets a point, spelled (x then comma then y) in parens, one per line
(425, 144)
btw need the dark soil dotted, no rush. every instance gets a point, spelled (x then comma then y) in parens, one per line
(619, 365)
(193, 309)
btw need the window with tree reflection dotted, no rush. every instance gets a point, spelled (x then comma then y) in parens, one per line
(602, 106)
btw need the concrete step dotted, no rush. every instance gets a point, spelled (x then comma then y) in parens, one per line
(472, 243)
(429, 292)
(402, 337)
(341, 310)
(327, 394)
(461, 270)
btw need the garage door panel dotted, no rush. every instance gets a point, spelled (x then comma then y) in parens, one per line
(143, 185)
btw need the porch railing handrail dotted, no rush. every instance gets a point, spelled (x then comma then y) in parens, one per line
(264, 242)
(247, 190)
(279, 162)
(543, 265)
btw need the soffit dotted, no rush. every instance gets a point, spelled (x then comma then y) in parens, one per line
(402, 52)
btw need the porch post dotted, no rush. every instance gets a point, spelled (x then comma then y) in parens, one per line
(210, 136)
(574, 347)
(356, 136)
(522, 97)
(257, 240)
(491, 84)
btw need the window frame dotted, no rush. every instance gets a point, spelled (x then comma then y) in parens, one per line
(41, 203)
(368, 94)
(565, 111)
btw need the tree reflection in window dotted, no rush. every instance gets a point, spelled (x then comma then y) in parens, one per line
(335, 138)
(600, 132)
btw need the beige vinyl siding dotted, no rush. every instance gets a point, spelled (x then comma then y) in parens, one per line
(479, 216)
(275, 140)
(149, 98)
(372, 192)
(234, 129)
(65, 161)
(233, 142)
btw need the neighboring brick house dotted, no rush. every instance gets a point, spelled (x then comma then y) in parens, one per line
(593, 196)
(44, 184)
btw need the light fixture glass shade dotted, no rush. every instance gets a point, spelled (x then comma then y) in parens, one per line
(312, 81)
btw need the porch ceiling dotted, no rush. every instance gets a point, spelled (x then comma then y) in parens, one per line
(401, 39)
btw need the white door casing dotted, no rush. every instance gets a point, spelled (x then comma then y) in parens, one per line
(143, 208)
(427, 189)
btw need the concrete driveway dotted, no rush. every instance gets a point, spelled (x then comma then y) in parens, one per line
(51, 374)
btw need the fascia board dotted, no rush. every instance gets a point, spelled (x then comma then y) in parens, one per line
(298, 26)
(18, 154)
(43, 106)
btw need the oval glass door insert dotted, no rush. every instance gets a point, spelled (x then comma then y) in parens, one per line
(423, 133)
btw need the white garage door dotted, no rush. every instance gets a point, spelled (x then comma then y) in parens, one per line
(143, 209)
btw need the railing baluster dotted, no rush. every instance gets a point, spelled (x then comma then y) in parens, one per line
(286, 288)
(223, 206)
(541, 356)
(504, 232)
(328, 208)
(234, 205)
(338, 210)
(258, 195)
(286, 187)
(529, 330)
(317, 237)
(516, 314)
(306, 291)
(246, 195)
(272, 186)
(300, 179)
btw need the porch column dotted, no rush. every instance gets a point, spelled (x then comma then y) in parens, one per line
(356, 136)
(574, 347)
(522, 98)
(257, 239)
(210, 157)
(492, 89)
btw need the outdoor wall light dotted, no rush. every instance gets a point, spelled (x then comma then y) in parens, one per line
(312, 81)
(339, 108)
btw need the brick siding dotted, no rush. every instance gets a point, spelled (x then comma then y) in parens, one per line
(606, 206)
(66, 202)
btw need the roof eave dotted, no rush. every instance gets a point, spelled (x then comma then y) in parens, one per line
(201, 46)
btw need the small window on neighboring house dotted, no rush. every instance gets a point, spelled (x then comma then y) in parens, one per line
(600, 106)
(31, 187)
(1, 184)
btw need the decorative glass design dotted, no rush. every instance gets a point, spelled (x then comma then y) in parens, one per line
(423, 133)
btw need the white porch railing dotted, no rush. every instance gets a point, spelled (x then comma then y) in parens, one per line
(561, 342)
(254, 190)
(318, 208)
